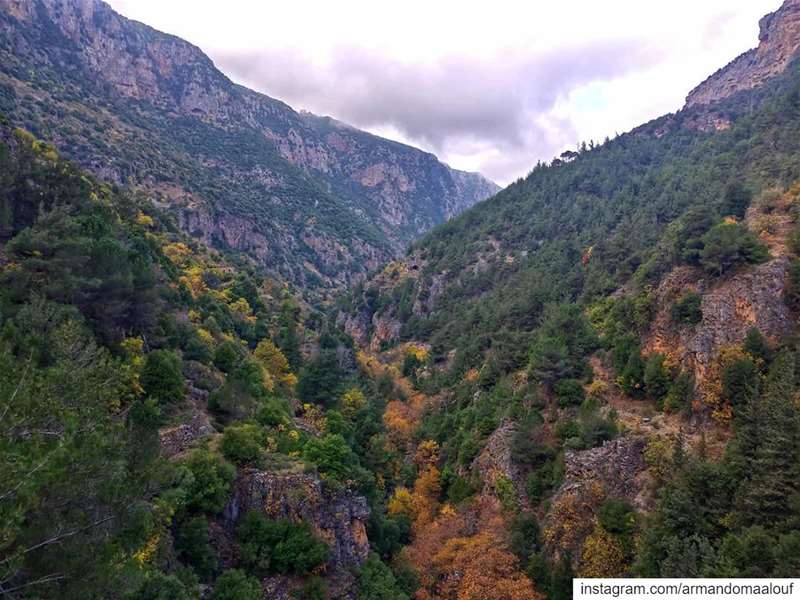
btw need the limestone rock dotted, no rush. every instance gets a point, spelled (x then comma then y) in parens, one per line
(779, 41)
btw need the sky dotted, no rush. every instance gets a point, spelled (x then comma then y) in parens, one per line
(492, 86)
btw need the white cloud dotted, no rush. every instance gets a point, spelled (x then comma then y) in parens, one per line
(492, 86)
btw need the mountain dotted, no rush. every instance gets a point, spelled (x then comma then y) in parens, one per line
(310, 198)
(779, 40)
(604, 354)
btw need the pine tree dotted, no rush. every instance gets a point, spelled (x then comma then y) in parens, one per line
(772, 463)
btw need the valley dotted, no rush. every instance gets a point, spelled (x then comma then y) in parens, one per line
(252, 353)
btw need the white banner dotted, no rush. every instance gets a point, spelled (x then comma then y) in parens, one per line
(685, 589)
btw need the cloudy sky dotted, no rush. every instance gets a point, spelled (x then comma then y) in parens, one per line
(492, 86)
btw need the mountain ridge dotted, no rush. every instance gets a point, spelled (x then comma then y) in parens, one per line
(180, 128)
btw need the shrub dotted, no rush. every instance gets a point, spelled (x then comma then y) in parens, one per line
(569, 392)
(159, 586)
(332, 456)
(377, 582)
(688, 310)
(270, 547)
(210, 483)
(161, 377)
(192, 545)
(728, 245)
(228, 355)
(235, 584)
(242, 444)
(657, 378)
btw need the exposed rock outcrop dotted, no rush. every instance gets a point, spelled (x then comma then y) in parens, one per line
(753, 297)
(779, 42)
(338, 517)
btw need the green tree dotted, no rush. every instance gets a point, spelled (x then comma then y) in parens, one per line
(192, 545)
(283, 547)
(161, 377)
(242, 444)
(235, 584)
(728, 245)
(209, 485)
(332, 456)
(376, 581)
(657, 378)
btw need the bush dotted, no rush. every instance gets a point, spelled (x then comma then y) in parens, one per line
(242, 444)
(657, 377)
(228, 355)
(159, 586)
(270, 547)
(377, 582)
(728, 245)
(235, 584)
(688, 310)
(617, 517)
(210, 485)
(161, 377)
(569, 392)
(192, 545)
(332, 456)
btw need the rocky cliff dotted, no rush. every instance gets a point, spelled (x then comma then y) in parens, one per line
(779, 41)
(337, 517)
(309, 197)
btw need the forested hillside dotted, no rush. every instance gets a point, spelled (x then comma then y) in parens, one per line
(313, 200)
(144, 379)
(604, 356)
(594, 373)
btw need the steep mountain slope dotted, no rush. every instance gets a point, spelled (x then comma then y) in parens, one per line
(779, 41)
(604, 354)
(152, 438)
(312, 199)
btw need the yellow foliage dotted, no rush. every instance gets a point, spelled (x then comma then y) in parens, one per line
(487, 570)
(658, 456)
(194, 316)
(401, 503)
(419, 352)
(427, 454)
(179, 253)
(352, 401)
(241, 307)
(144, 220)
(133, 346)
(597, 389)
(275, 363)
(471, 376)
(398, 421)
(571, 517)
(205, 336)
(602, 555)
(427, 489)
(193, 280)
(146, 552)
(711, 389)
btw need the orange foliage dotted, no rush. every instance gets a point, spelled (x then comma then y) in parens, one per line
(399, 424)
(427, 454)
(427, 489)
(571, 518)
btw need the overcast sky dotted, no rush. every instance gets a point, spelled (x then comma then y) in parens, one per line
(492, 86)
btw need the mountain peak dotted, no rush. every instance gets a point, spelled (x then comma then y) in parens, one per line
(779, 41)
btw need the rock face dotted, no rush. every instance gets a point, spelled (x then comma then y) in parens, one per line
(616, 465)
(314, 199)
(779, 41)
(339, 518)
(750, 298)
